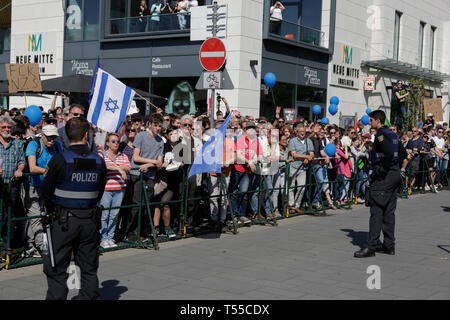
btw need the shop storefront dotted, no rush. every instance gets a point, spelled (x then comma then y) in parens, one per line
(301, 80)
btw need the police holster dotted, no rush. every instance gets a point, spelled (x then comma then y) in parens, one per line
(368, 200)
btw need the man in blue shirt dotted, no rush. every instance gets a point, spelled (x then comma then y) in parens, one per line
(302, 151)
(38, 153)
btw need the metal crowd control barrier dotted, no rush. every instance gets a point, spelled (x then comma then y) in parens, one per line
(422, 181)
(14, 258)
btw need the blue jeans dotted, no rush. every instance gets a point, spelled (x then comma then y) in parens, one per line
(266, 187)
(240, 182)
(363, 182)
(318, 174)
(441, 169)
(343, 187)
(110, 199)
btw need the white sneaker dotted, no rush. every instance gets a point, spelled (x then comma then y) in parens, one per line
(427, 188)
(105, 244)
(112, 243)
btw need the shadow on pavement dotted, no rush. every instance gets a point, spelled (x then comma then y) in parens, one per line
(212, 235)
(444, 248)
(109, 290)
(359, 238)
(446, 209)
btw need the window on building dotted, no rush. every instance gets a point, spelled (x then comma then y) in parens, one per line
(421, 35)
(311, 94)
(127, 16)
(283, 95)
(301, 20)
(5, 28)
(432, 40)
(82, 20)
(398, 16)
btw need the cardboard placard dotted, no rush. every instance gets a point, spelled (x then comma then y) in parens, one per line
(23, 77)
(289, 115)
(433, 106)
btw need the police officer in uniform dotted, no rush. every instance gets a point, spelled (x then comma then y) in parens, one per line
(73, 185)
(385, 182)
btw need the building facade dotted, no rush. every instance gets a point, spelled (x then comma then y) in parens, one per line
(387, 41)
(155, 54)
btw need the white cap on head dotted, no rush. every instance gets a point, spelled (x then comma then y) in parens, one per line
(430, 115)
(50, 130)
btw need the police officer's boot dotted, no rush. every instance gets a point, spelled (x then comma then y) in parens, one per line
(383, 249)
(364, 253)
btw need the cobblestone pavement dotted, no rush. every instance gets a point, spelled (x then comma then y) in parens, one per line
(303, 258)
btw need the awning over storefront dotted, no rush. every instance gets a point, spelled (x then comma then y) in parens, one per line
(404, 68)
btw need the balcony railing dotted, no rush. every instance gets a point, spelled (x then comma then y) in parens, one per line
(162, 23)
(295, 32)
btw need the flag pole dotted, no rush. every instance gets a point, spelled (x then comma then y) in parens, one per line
(145, 100)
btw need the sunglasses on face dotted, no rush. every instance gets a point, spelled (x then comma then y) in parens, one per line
(114, 141)
(187, 125)
(167, 119)
(77, 114)
(131, 130)
(332, 132)
(6, 127)
(66, 114)
(51, 138)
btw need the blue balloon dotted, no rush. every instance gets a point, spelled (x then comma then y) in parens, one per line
(365, 120)
(330, 150)
(333, 109)
(317, 109)
(368, 111)
(334, 100)
(325, 121)
(270, 79)
(34, 114)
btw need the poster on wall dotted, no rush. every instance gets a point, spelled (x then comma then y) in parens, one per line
(181, 99)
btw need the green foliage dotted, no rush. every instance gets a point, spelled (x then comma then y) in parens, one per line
(414, 103)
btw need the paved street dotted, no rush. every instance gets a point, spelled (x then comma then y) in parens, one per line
(303, 258)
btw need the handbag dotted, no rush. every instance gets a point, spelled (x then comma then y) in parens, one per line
(159, 187)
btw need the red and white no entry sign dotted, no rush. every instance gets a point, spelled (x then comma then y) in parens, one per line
(212, 54)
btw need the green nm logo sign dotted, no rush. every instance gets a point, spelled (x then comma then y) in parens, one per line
(35, 42)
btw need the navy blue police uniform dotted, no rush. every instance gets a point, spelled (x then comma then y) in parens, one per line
(385, 182)
(73, 185)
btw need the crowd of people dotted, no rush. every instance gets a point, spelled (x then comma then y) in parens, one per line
(160, 15)
(267, 166)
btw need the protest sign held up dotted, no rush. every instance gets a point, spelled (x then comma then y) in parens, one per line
(23, 77)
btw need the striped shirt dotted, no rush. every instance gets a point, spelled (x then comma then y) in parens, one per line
(11, 157)
(114, 180)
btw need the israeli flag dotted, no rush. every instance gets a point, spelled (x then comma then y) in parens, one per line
(211, 157)
(110, 102)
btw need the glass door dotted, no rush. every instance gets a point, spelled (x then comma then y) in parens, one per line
(304, 110)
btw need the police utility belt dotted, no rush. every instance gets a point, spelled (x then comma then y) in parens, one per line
(62, 215)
